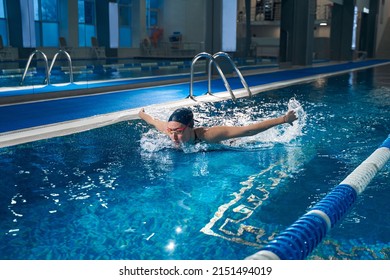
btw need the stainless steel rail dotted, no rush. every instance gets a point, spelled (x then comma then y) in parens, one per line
(212, 61)
(69, 60)
(47, 79)
(243, 82)
(211, 58)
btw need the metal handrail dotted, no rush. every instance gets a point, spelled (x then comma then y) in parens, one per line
(29, 62)
(223, 54)
(211, 58)
(70, 64)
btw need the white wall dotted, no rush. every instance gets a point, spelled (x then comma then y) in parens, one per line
(187, 17)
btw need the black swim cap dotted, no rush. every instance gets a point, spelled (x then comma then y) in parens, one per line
(183, 116)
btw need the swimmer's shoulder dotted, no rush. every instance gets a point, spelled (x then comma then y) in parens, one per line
(205, 134)
(199, 133)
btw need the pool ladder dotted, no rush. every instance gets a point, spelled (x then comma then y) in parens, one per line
(47, 68)
(212, 60)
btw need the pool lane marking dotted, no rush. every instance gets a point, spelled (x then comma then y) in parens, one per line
(253, 201)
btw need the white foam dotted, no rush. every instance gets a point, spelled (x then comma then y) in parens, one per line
(153, 141)
(210, 114)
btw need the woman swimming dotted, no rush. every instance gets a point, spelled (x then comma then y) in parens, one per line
(180, 127)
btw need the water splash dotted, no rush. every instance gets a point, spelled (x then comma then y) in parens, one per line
(154, 141)
(213, 114)
(277, 135)
(292, 132)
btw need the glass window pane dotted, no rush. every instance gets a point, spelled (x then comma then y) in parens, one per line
(36, 10)
(3, 31)
(152, 8)
(153, 18)
(155, 4)
(89, 32)
(3, 24)
(124, 37)
(2, 12)
(82, 35)
(50, 34)
(81, 11)
(124, 15)
(89, 12)
(49, 10)
(86, 22)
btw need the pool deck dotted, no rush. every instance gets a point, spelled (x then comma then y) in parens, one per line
(40, 119)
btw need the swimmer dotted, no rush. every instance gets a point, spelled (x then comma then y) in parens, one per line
(180, 127)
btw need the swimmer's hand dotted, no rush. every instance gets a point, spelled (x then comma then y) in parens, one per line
(158, 124)
(142, 113)
(290, 117)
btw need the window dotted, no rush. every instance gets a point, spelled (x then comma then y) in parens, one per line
(87, 21)
(46, 22)
(152, 9)
(2, 9)
(3, 23)
(125, 23)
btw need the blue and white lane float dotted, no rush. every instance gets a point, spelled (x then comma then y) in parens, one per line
(300, 239)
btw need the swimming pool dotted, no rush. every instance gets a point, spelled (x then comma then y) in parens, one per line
(123, 191)
(109, 69)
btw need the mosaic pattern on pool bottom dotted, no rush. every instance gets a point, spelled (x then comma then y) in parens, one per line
(355, 249)
(233, 222)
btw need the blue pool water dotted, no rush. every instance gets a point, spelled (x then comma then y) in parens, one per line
(123, 191)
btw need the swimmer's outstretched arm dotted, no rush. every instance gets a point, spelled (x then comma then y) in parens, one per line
(158, 124)
(221, 133)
